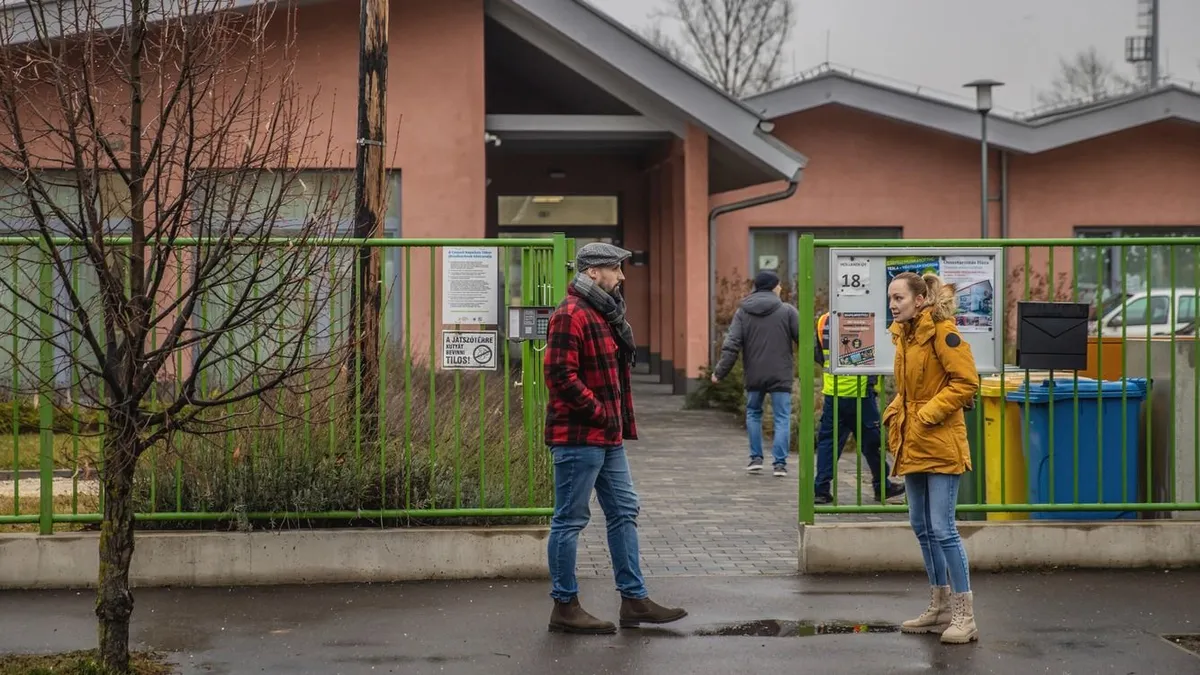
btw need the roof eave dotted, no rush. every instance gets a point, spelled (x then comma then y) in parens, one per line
(620, 61)
(962, 121)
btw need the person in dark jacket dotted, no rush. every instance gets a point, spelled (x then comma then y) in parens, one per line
(765, 331)
(589, 415)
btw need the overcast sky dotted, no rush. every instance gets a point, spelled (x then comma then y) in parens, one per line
(943, 43)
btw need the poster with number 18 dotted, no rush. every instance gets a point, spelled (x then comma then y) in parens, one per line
(853, 276)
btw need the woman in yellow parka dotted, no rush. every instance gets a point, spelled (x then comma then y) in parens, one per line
(935, 379)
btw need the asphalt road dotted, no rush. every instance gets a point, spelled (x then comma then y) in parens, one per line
(1072, 623)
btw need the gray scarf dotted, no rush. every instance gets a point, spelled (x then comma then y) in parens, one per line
(612, 307)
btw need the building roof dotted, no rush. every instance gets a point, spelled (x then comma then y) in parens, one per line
(583, 38)
(1032, 133)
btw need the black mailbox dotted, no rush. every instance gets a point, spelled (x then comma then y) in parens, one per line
(1052, 335)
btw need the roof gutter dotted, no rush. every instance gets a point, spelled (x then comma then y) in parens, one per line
(715, 213)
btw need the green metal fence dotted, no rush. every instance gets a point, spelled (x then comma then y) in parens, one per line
(1144, 292)
(449, 445)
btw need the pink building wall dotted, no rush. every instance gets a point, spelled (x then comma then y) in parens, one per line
(435, 119)
(868, 171)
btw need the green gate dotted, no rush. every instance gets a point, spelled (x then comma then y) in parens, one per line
(447, 446)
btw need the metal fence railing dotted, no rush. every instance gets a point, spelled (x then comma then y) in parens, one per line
(1117, 440)
(463, 444)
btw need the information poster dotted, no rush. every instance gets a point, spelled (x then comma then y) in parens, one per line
(470, 278)
(860, 315)
(856, 339)
(972, 279)
(853, 276)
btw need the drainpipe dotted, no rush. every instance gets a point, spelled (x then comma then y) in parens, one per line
(1004, 194)
(715, 213)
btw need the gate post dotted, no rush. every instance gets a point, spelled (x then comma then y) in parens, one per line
(806, 306)
(558, 275)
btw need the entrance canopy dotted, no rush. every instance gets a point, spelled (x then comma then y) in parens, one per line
(564, 77)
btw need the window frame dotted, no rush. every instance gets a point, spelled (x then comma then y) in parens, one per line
(794, 233)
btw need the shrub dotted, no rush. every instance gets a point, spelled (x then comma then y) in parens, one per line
(439, 456)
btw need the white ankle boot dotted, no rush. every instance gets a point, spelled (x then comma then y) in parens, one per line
(962, 621)
(936, 617)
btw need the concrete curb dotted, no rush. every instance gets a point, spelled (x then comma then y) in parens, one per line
(287, 557)
(856, 548)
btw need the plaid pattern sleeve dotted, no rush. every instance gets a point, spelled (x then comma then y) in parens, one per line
(590, 401)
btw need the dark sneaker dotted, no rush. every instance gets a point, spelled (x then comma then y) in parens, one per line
(780, 470)
(822, 499)
(754, 466)
(893, 490)
(637, 612)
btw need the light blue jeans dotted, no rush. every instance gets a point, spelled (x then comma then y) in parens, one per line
(781, 406)
(931, 500)
(577, 471)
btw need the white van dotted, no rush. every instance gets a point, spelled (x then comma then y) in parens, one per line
(1151, 309)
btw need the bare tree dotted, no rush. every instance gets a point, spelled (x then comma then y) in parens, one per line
(737, 44)
(150, 203)
(1086, 77)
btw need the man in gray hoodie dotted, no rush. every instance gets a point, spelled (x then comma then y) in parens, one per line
(765, 330)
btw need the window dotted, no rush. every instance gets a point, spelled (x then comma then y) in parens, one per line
(62, 201)
(583, 218)
(776, 249)
(244, 203)
(540, 211)
(1111, 270)
(1186, 309)
(1135, 311)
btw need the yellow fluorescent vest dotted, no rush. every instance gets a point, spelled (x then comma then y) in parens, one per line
(845, 386)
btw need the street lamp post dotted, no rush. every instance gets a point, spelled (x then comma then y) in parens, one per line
(983, 103)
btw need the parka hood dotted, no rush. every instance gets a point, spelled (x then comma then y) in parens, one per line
(761, 303)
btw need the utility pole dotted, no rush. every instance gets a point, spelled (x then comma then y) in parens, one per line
(370, 181)
(1155, 51)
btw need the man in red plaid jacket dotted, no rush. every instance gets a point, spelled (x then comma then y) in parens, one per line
(588, 364)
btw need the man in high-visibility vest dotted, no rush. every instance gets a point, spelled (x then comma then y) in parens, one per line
(854, 398)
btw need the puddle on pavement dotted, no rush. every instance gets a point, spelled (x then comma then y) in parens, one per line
(793, 629)
(1189, 642)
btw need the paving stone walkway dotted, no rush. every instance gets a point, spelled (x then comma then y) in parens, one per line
(702, 513)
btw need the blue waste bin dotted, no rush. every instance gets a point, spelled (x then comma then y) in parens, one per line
(1100, 463)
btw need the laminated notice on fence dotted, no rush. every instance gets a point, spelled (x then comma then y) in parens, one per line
(469, 349)
(470, 285)
(856, 339)
(861, 314)
(854, 276)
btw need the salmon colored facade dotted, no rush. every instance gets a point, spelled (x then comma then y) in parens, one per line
(460, 69)
(892, 163)
(545, 103)
(866, 171)
(505, 115)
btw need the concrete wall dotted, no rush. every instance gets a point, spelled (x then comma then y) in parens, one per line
(857, 548)
(299, 557)
(1172, 416)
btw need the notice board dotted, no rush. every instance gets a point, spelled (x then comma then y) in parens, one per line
(859, 316)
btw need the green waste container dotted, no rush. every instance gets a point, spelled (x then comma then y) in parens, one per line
(970, 488)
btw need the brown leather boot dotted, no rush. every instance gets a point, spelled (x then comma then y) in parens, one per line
(570, 617)
(637, 612)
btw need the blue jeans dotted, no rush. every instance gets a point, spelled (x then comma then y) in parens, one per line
(848, 423)
(931, 500)
(577, 471)
(781, 405)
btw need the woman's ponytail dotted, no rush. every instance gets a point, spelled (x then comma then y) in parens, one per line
(941, 297)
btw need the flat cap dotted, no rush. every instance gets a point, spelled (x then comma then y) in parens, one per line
(599, 254)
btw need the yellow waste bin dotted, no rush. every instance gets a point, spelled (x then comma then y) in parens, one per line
(1012, 490)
